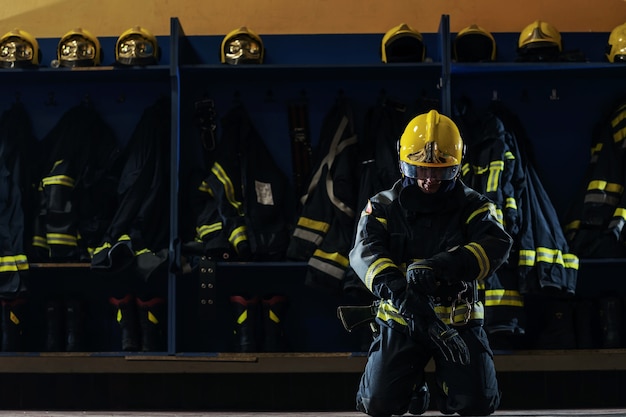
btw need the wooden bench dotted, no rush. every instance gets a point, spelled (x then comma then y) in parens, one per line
(302, 362)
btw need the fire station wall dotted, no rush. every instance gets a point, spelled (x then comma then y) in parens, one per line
(558, 106)
(53, 18)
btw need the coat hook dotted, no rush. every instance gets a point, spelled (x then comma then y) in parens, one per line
(554, 95)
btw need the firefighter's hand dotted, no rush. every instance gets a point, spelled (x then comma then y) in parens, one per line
(422, 278)
(449, 343)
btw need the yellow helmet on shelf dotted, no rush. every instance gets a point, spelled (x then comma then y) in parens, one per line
(79, 48)
(402, 43)
(137, 46)
(242, 46)
(19, 49)
(616, 47)
(474, 44)
(540, 34)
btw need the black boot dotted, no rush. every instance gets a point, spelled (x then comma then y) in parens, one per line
(584, 319)
(274, 309)
(12, 326)
(420, 399)
(558, 320)
(74, 326)
(611, 322)
(151, 313)
(245, 314)
(54, 326)
(126, 316)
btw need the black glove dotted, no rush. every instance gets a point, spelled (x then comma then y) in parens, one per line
(422, 278)
(449, 343)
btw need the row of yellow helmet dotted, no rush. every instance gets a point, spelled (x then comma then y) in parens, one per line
(138, 47)
(79, 48)
(476, 44)
(402, 43)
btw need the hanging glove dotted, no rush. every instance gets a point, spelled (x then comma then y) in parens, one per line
(449, 343)
(422, 278)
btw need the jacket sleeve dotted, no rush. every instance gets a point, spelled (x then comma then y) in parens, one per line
(371, 256)
(485, 250)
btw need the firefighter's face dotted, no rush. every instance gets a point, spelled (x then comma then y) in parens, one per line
(429, 185)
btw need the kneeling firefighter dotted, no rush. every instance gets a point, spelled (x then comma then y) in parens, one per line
(420, 248)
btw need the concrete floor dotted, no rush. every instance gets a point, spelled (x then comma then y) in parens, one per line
(509, 413)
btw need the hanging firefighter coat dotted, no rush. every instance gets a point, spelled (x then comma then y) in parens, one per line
(325, 228)
(75, 202)
(493, 168)
(595, 222)
(543, 256)
(17, 147)
(497, 166)
(138, 234)
(247, 195)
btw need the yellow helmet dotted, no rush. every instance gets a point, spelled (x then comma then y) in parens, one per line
(540, 34)
(137, 46)
(431, 147)
(616, 48)
(19, 49)
(79, 48)
(474, 44)
(402, 43)
(242, 46)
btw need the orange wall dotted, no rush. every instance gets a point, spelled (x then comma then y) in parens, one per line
(52, 18)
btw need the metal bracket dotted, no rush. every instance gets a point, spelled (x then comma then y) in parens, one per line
(207, 292)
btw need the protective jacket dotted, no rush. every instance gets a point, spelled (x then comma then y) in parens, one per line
(595, 222)
(542, 254)
(138, 234)
(75, 199)
(493, 167)
(17, 146)
(457, 232)
(323, 234)
(247, 196)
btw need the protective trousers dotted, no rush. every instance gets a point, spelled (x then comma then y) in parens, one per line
(395, 371)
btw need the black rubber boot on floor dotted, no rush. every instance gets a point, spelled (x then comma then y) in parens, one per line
(126, 316)
(74, 326)
(151, 320)
(12, 326)
(559, 329)
(274, 309)
(611, 322)
(245, 326)
(54, 326)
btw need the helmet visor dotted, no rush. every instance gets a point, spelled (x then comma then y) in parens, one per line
(77, 50)
(15, 50)
(428, 172)
(135, 48)
(242, 50)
